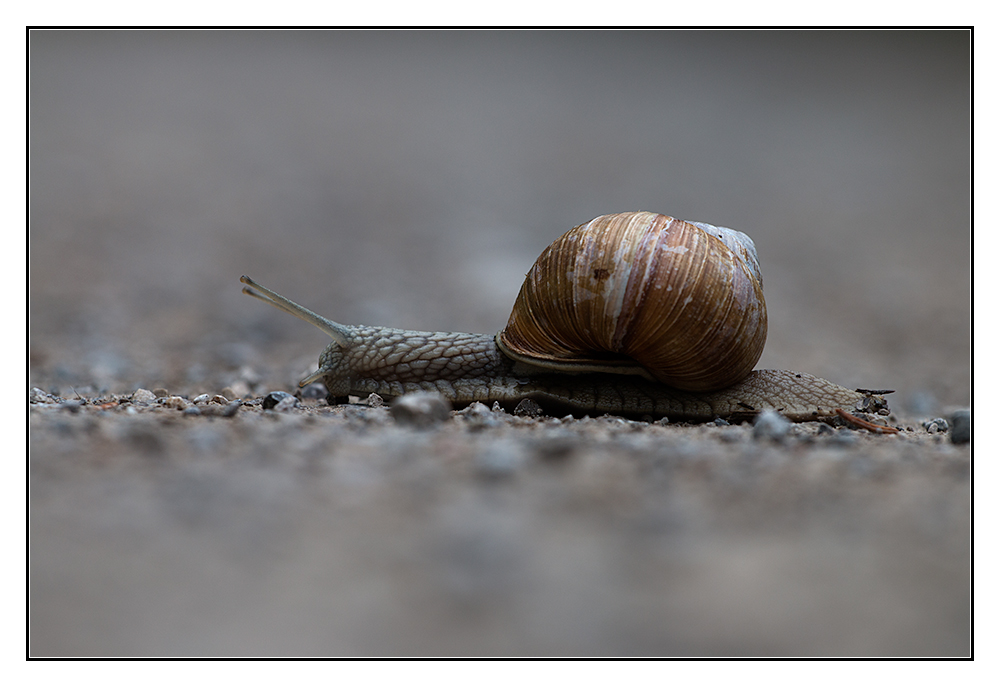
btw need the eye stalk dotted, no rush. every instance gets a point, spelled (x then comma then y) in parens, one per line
(335, 330)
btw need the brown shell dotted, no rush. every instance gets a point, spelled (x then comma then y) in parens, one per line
(640, 287)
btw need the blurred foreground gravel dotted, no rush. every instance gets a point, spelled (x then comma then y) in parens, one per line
(341, 531)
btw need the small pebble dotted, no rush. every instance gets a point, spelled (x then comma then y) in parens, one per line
(230, 394)
(528, 408)
(475, 409)
(160, 392)
(274, 398)
(36, 395)
(478, 416)
(421, 409)
(719, 422)
(497, 408)
(613, 420)
(287, 403)
(961, 427)
(770, 425)
(201, 398)
(143, 396)
(868, 404)
(219, 398)
(176, 402)
(938, 424)
(375, 401)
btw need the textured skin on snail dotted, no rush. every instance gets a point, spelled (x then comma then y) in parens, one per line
(469, 367)
(593, 294)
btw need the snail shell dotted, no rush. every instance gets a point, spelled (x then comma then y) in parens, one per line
(684, 300)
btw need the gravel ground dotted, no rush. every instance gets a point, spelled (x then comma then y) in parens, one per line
(409, 180)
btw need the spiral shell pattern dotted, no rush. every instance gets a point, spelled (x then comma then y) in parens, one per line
(683, 300)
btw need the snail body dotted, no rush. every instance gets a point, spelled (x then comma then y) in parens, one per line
(633, 313)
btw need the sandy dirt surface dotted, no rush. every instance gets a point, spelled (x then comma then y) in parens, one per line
(410, 180)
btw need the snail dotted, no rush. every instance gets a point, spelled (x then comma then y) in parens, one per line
(634, 313)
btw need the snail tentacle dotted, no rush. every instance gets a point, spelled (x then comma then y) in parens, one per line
(335, 330)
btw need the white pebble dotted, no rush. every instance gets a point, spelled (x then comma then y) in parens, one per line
(143, 396)
(176, 402)
(770, 425)
(287, 403)
(421, 409)
(36, 395)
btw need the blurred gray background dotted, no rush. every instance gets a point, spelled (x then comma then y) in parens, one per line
(410, 179)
